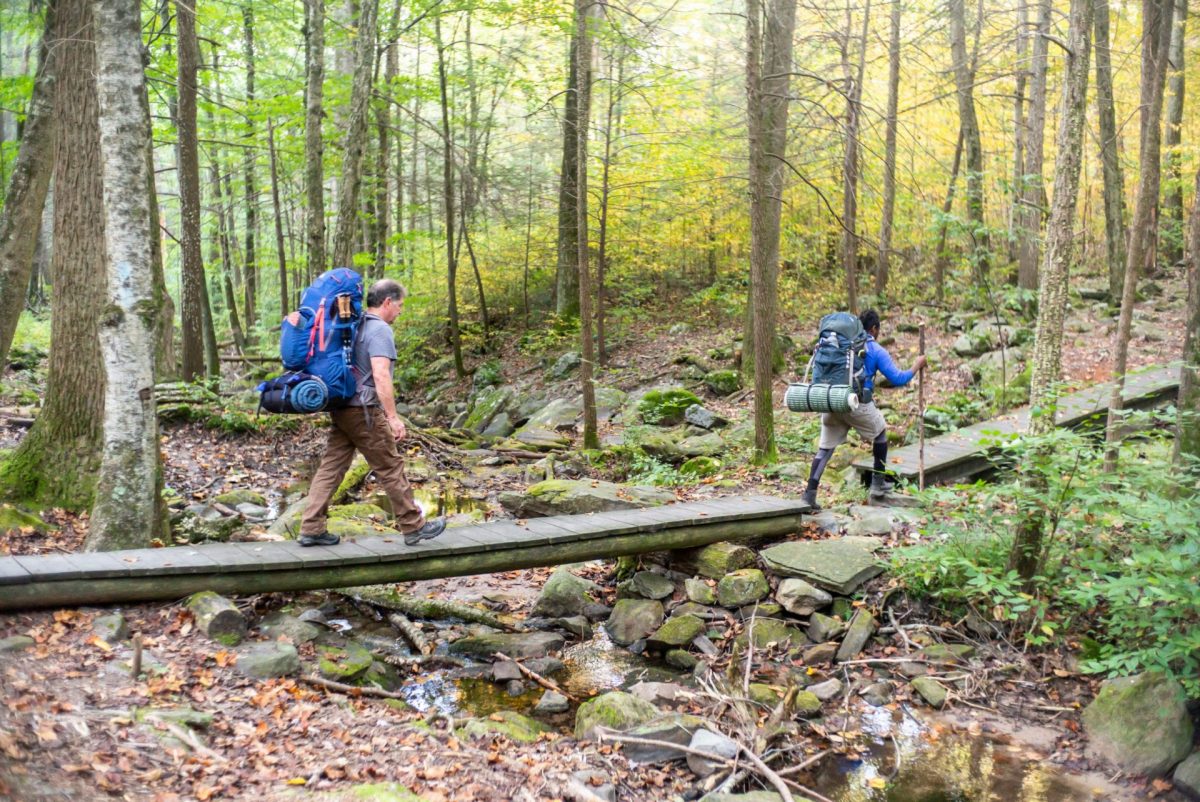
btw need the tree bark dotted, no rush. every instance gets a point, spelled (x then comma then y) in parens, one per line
(942, 255)
(284, 301)
(314, 148)
(1156, 20)
(769, 64)
(853, 80)
(972, 144)
(567, 277)
(1173, 234)
(25, 200)
(251, 179)
(1052, 292)
(192, 309)
(883, 267)
(356, 134)
(448, 202)
(128, 511)
(1114, 182)
(1187, 434)
(584, 10)
(57, 462)
(1019, 132)
(1033, 190)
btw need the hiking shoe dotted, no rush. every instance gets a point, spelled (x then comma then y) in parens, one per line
(323, 539)
(810, 498)
(429, 531)
(881, 486)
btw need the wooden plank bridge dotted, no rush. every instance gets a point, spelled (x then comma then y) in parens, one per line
(236, 568)
(963, 453)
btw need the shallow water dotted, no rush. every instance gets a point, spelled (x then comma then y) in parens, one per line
(446, 499)
(905, 760)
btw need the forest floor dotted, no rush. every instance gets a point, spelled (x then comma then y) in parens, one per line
(69, 726)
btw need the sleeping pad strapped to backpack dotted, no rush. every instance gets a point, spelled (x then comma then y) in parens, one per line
(317, 347)
(836, 366)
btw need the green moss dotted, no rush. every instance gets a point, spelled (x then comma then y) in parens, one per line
(354, 477)
(666, 407)
(16, 518)
(723, 382)
(233, 498)
(53, 474)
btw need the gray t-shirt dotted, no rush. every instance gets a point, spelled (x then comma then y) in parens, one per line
(375, 338)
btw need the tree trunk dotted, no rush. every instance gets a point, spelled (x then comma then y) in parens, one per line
(567, 281)
(57, 462)
(189, 195)
(25, 200)
(1114, 183)
(235, 326)
(314, 148)
(972, 144)
(942, 255)
(889, 157)
(251, 178)
(129, 512)
(1156, 21)
(1052, 292)
(853, 82)
(1019, 132)
(383, 123)
(1033, 190)
(1187, 436)
(356, 134)
(448, 202)
(1172, 233)
(769, 64)
(284, 302)
(612, 122)
(584, 11)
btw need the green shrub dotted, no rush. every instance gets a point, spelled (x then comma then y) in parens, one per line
(666, 407)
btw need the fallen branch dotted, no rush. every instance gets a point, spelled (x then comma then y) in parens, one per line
(548, 684)
(350, 690)
(411, 632)
(189, 738)
(519, 453)
(422, 660)
(388, 598)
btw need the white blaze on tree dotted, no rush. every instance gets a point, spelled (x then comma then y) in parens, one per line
(127, 511)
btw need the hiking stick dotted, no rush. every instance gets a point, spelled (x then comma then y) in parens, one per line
(921, 412)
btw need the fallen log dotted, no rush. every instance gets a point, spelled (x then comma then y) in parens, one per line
(411, 632)
(433, 609)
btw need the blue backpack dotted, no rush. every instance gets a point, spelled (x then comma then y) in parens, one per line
(317, 347)
(840, 352)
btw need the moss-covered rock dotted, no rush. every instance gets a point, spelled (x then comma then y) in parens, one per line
(359, 512)
(633, 619)
(768, 631)
(699, 591)
(343, 660)
(14, 518)
(615, 710)
(742, 587)
(1141, 723)
(678, 631)
(512, 644)
(723, 382)
(699, 467)
(564, 595)
(508, 723)
(232, 498)
(581, 496)
(666, 407)
(490, 403)
(714, 560)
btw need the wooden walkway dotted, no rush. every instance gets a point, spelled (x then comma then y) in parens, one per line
(172, 573)
(963, 453)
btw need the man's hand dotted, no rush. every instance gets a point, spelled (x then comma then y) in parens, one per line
(920, 363)
(398, 430)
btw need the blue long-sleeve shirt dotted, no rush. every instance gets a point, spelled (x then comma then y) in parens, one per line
(879, 360)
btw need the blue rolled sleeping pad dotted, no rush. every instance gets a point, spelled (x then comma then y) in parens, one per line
(293, 392)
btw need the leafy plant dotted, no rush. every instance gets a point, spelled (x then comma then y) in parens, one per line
(666, 407)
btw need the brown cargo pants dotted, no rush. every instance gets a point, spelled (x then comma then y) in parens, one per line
(350, 431)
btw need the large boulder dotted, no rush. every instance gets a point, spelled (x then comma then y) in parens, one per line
(615, 710)
(742, 587)
(490, 403)
(558, 414)
(580, 496)
(714, 560)
(666, 407)
(634, 619)
(564, 595)
(563, 366)
(268, 660)
(1140, 723)
(1187, 775)
(609, 401)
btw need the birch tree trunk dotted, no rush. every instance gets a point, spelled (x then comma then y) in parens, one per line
(883, 268)
(1027, 550)
(1187, 439)
(128, 511)
(192, 309)
(1172, 233)
(1114, 182)
(314, 147)
(57, 461)
(584, 10)
(1156, 21)
(567, 281)
(1033, 189)
(768, 69)
(25, 200)
(356, 134)
(448, 203)
(972, 144)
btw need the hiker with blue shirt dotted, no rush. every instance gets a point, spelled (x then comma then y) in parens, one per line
(866, 419)
(368, 423)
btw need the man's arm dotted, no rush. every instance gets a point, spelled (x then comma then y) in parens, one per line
(381, 372)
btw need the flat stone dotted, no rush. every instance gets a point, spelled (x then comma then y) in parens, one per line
(657, 693)
(508, 723)
(558, 414)
(615, 710)
(551, 704)
(801, 598)
(712, 743)
(581, 496)
(699, 591)
(232, 498)
(634, 619)
(836, 565)
(947, 652)
(648, 585)
(820, 654)
(111, 628)
(930, 690)
(506, 671)
(673, 728)
(513, 644)
(268, 660)
(829, 689)
(823, 628)
(862, 627)
(277, 625)
(182, 716)
(742, 587)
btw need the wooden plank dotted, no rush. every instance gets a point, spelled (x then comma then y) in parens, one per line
(12, 572)
(100, 564)
(50, 567)
(176, 560)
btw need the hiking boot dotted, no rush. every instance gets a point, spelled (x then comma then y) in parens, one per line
(323, 539)
(881, 486)
(810, 498)
(429, 531)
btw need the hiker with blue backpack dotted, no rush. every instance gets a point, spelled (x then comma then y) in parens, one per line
(340, 359)
(846, 358)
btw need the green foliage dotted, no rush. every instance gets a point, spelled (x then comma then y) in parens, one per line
(666, 406)
(556, 332)
(957, 410)
(1121, 561)
(488, 374)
